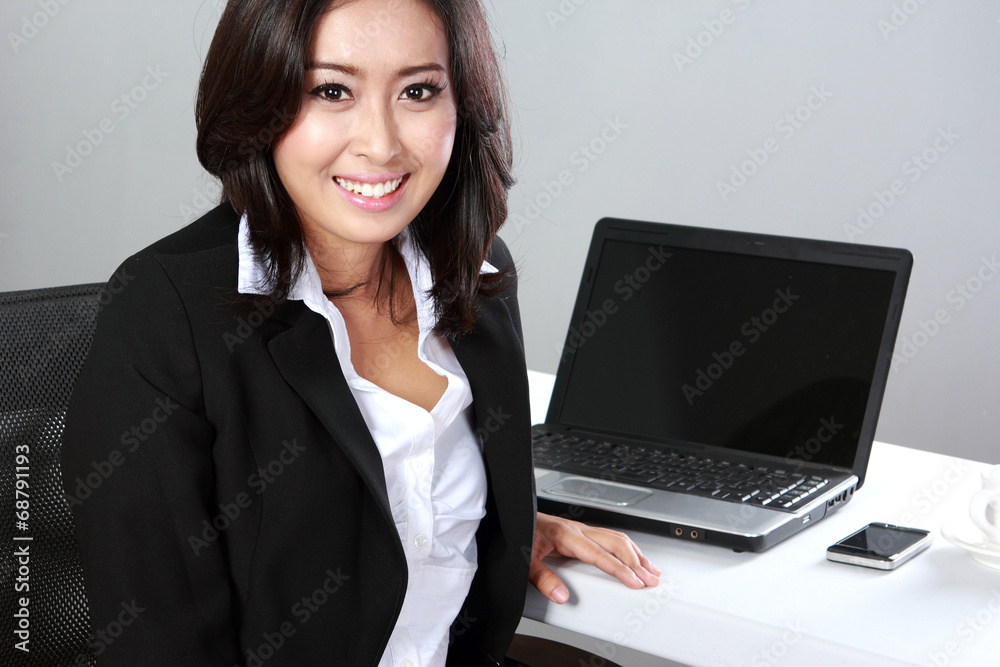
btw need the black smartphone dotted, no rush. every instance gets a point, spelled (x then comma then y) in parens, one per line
(880, 545)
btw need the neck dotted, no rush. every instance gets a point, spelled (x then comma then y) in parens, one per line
(364, 280)
(343, 265)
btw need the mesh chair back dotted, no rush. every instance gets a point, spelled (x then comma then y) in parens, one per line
(45, 335)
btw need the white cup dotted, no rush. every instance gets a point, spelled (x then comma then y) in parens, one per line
(985, 506)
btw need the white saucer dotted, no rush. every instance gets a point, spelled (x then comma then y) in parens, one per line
(963, 534)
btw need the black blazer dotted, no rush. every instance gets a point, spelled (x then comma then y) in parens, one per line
(229, 501)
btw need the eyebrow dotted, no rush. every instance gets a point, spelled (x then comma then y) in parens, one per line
(351, 70)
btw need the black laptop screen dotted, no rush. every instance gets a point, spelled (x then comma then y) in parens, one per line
(774, 356)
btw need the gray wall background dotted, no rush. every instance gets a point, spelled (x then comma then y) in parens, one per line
(665, 96)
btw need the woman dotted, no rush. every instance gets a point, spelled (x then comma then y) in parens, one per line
(311, 404)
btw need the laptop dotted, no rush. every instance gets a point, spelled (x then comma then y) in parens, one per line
(718, 386)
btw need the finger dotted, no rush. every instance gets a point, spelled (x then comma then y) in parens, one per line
(547, 582)
(647, 576)
(589, 550)
(644, 569)
(620, 546)
(649, 565)
(646, 563)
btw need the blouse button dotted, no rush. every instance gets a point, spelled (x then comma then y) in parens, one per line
(421, 541)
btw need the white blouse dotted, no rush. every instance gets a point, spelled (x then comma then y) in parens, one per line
(433, 463)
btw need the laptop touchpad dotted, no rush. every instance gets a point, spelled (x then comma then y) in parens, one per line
(591, 490)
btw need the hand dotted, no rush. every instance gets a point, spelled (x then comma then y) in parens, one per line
(609, 550)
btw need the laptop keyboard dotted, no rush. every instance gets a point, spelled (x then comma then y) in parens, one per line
(674, 470)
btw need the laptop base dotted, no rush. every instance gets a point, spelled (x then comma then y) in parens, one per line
(738, 543)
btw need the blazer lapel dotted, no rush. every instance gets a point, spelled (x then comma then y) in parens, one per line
(493, 361)
(302, 349)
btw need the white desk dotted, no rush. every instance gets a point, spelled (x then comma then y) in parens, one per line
(789, 605)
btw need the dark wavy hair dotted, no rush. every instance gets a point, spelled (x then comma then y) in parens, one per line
(250, 93)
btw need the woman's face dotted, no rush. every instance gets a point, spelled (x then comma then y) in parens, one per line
(377, 124)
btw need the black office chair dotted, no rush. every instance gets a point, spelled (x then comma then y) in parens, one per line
(44, 337)
(528, 651)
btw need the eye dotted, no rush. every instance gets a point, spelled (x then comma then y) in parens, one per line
(331, 92)
(421, 92)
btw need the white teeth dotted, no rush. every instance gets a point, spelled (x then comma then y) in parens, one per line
(376, 191)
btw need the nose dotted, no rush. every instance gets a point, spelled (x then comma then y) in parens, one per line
(376, 135)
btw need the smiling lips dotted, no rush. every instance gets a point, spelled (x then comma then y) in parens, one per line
(370, 190)
(373, 193)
